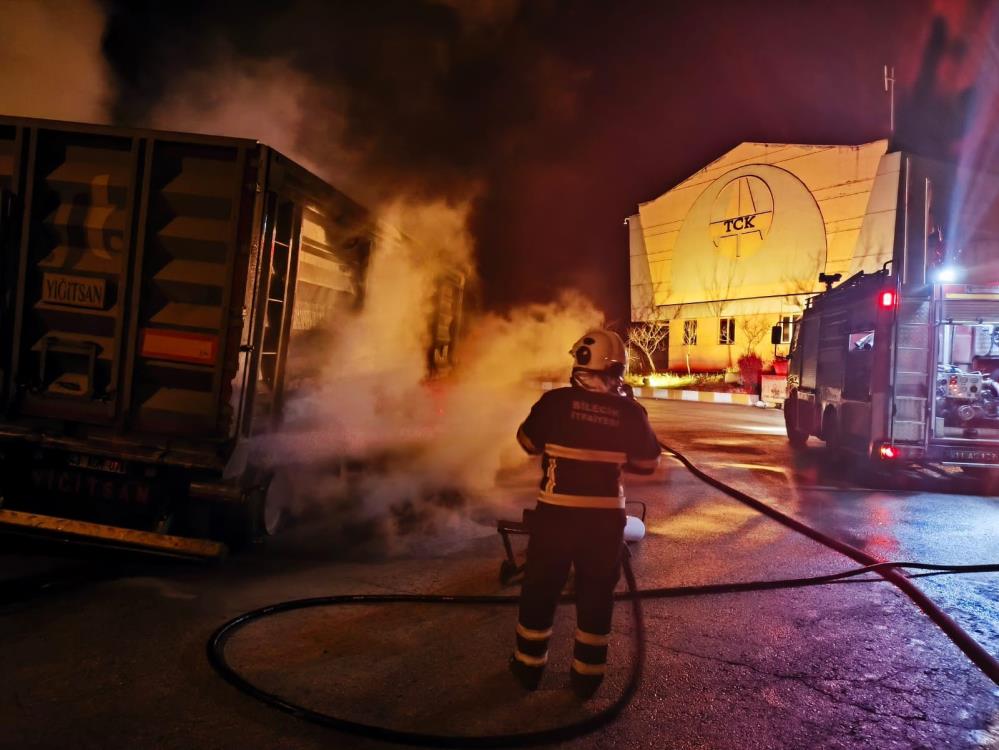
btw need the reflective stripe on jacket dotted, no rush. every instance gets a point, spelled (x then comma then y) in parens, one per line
(585, 439)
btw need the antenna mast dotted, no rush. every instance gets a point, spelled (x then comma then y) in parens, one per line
(890, 89)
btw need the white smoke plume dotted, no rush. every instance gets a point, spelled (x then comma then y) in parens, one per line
(428, 452)
(264, 100)
(378, 358)
(50, 60)
(431, 449)
(503, 358)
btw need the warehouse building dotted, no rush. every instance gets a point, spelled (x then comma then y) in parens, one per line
(737, 247)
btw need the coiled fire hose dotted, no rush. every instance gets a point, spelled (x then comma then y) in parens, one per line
(216, 655)
(890, 571)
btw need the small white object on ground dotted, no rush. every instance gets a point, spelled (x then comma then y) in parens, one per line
(634, 529)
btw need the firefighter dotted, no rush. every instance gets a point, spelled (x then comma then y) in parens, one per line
(585, 434)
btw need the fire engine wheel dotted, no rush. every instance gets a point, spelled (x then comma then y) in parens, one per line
(832, 436)
(987, 479)
(795, 437)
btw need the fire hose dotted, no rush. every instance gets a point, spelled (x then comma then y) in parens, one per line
(890, 571)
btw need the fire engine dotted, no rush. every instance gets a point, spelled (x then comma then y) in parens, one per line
(900, 374)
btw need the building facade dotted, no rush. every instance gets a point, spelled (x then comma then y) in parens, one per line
(737, 247)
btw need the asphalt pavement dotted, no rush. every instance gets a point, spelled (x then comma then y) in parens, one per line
(117, 659)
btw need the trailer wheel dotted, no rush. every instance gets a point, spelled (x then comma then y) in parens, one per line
(240, 522)
(259, 515)
(273, 513)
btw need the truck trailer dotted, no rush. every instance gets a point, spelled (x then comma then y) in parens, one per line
(153, 284)
(899, 373)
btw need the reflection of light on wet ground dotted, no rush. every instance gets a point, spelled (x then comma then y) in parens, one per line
(882, 546)
(881, 515)
(754, 467)
(988, 737)
(766, 430)
(711, 519)
(847, 491)
(716, 441)
(881, 543)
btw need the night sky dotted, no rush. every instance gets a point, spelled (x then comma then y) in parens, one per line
(560, 117)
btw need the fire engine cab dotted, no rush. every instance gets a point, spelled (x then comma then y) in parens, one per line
(899, 373)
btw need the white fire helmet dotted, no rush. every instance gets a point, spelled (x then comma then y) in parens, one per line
(600, 351)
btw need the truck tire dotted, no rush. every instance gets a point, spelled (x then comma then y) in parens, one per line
(795, 437)
(273, 511)
(832, 437)
(986, 480)
(260, 515)
(240, 522)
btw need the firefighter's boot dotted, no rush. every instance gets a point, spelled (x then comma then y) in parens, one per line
(530, 655)
(527, 676)
(589, 663)
(584, 685)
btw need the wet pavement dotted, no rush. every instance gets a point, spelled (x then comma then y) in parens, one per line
(903, 515)
(120, 661)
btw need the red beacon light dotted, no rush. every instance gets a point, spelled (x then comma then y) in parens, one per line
(887, 299)
(888, 452)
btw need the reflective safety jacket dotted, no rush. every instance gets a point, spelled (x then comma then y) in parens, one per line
(585, 439)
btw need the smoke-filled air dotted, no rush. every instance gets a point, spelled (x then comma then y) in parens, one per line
(439, 116)
(373, 438)
(50, 61)
(375, 435)
(372, 434)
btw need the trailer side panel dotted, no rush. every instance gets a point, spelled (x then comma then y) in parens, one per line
(186, 262)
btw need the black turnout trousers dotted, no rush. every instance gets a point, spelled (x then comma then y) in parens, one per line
(589, 539)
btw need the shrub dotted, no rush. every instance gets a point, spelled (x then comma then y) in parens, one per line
(750, 369)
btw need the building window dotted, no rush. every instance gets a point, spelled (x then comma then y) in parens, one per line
(690, 333)
(726, 331)
(786, 328)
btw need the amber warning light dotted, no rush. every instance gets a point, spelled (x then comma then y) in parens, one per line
(887, 299)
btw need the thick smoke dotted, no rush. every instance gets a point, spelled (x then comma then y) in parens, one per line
(366, 398)
(399, 136)
(429, 451)
(418, 109)
(407, 107)
(50, 60)
(425, 97)
(266, 100)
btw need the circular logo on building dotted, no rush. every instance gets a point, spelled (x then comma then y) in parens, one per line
(741, 216)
